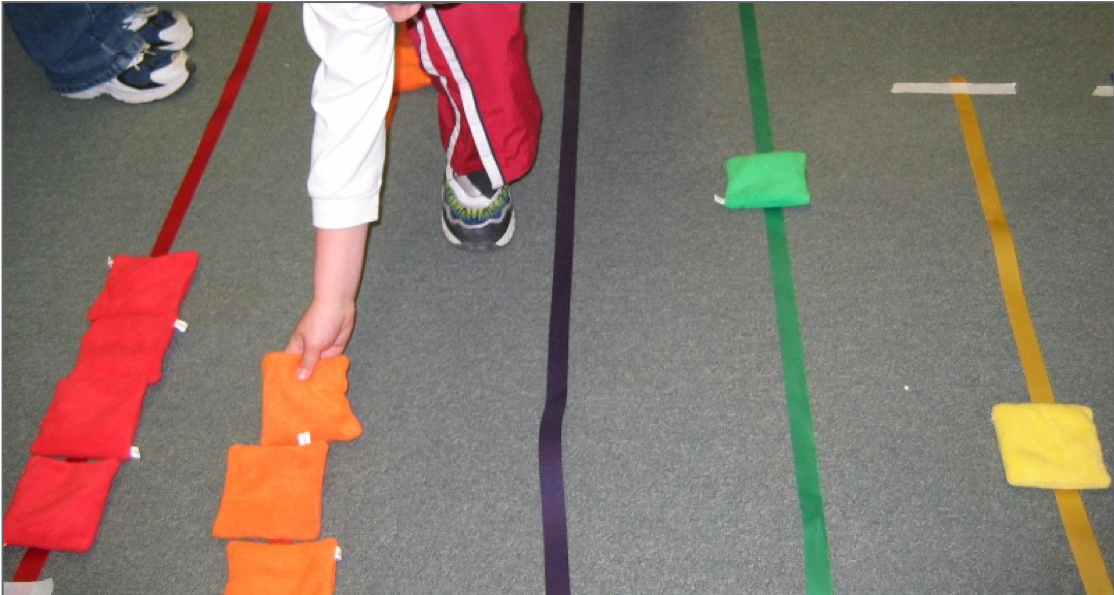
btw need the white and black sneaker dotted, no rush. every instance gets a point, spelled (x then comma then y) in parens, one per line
(152, 75)
(161, 29)
(469, 225)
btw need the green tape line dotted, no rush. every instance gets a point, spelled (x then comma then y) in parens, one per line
(756, 81)
(818, 566)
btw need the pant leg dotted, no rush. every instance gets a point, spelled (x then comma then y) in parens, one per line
(77, 45)
(489, 112)
(351, 93)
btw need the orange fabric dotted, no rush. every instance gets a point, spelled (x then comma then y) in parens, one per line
(272, 492)
(409, 74)
(318, 405)
(300, 569)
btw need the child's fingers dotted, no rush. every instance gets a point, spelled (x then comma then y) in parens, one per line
(309, 362)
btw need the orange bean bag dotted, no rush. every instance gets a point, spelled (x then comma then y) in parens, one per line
(318, 405)
(281, 569)
(272, 492)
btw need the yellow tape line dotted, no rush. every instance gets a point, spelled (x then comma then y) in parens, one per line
(1084, 546)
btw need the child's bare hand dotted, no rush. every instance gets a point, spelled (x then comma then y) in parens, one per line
(322, 333)
(401, 11)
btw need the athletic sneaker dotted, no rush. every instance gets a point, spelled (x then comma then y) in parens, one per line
(152, 75)
(161, 29)
(473, 227)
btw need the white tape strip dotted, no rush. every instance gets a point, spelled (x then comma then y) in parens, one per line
(1104, 91)
(44, 587)
(957, 88)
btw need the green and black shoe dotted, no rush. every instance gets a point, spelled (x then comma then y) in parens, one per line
(476, 228)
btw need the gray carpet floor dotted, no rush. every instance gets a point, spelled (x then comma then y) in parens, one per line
(678, 465)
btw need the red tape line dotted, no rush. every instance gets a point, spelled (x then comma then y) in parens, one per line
(34, 559)
(211, 135)
(31, 566)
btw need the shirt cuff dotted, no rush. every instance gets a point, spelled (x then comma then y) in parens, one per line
(340, 213)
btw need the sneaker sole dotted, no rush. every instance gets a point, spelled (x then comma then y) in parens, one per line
(478, 246)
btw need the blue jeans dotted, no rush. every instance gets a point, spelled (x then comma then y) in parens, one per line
(78, 46)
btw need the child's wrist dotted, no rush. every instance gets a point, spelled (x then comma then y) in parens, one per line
(335, 301)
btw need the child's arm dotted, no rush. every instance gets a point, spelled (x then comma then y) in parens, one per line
(327, 324)
(401, 11)
(350, 97)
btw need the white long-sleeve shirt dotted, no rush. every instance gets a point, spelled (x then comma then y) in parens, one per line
(351, 94)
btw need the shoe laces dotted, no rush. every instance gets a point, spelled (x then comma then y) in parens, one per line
(136, 20)
(141, 57)
(151, 59)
